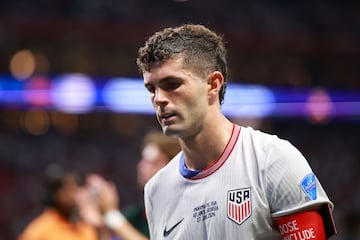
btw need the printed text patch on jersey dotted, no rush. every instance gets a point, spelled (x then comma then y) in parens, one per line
(239, 205)
(308, 184)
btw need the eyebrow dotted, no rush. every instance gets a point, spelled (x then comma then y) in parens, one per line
(162, 80)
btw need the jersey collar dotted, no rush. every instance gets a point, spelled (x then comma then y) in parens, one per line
(198, 174)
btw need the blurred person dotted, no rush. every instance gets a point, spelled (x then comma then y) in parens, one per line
(156, 151)
(229, 181)
(130, 224)
(60, 219)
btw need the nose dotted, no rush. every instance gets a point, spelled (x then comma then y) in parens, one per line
(160, 97)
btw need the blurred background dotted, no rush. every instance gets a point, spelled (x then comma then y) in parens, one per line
(71, 94)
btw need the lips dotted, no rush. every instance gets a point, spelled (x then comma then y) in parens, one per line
(166, 117)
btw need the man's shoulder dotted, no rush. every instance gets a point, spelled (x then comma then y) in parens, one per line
(264, 143)
(262, 137)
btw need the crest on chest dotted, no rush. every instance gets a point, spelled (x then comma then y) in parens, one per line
(239, 205)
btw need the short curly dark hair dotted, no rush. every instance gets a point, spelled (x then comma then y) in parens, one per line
(202, 50)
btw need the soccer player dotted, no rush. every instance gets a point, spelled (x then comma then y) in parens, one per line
(229, 181)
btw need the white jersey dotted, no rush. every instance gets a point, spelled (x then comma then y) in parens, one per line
(257, 178)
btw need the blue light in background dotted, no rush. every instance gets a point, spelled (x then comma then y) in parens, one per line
(73, 93)
(10, 91)
(248, 100)
(127, 96)
(80, 93)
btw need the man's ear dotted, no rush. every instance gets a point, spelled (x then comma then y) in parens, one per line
(215, 81)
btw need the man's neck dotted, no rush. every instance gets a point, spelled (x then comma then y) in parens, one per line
(206, 147)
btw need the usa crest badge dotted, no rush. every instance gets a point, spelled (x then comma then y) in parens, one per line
(239, 205)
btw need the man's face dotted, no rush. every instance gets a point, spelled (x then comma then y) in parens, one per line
(179, 97)
(152, 160)
(65, 197)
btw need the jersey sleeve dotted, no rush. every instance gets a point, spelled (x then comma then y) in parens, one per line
(291, 185)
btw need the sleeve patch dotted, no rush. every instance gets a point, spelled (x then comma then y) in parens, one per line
(308, 185)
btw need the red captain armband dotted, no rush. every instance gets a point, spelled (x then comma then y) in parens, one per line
(302, 226)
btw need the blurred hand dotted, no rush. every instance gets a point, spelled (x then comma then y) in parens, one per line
(88, 207)
(104, 191)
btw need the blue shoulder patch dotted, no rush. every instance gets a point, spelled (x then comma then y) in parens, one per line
(308, 184)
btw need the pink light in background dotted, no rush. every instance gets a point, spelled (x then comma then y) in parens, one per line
(37, 92)
(319, 106)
